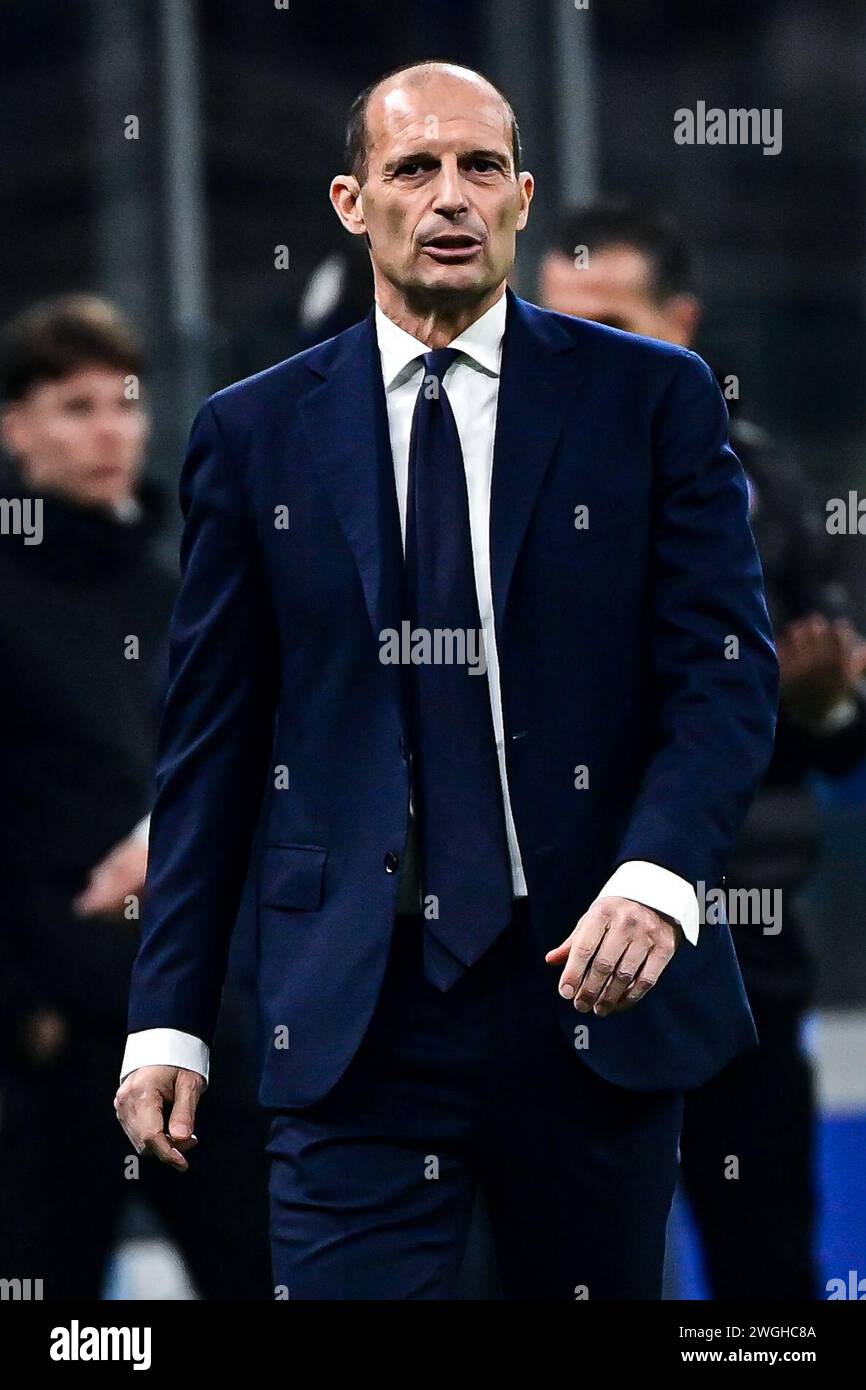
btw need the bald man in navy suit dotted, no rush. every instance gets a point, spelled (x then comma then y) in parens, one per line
(473, 623)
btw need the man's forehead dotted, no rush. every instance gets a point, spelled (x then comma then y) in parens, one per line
(424, 113)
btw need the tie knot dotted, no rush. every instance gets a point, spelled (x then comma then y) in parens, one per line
(437, 362)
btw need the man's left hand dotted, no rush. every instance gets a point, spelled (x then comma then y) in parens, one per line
(615, 955)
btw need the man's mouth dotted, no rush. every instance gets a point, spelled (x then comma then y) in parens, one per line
(452, 246)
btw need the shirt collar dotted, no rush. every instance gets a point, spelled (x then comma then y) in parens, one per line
(482, 341)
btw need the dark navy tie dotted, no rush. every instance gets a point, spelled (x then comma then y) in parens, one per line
(457, 795)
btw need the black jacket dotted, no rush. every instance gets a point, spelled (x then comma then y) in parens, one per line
(77, 739)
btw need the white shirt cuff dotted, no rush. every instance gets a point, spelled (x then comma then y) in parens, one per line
(165, 1047)
(658, 888)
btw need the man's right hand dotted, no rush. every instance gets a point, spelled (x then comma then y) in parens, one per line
(140, 1106)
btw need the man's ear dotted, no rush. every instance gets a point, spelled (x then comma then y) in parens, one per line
(345, 195)
(527, 184)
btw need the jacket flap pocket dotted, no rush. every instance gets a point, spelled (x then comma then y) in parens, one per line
(291, 876)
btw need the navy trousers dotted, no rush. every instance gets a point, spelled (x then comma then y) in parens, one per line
(372, 1187)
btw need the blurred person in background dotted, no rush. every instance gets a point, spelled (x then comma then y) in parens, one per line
(84, 610)
(629, 266)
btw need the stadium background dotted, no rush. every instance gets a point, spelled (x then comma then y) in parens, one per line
(240, 109)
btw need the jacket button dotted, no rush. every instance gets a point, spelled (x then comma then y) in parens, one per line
(392, 863)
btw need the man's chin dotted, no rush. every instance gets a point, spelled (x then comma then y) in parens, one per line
(453, 284)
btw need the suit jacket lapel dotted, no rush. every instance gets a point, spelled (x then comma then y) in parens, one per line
(346, 421)
(538, 381)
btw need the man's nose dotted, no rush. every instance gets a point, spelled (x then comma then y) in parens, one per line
(449, 195)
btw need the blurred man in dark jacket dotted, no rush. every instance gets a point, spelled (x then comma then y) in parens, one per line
(629, 267)
(84, 609)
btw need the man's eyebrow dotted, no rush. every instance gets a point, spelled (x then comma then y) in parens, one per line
(420, 156)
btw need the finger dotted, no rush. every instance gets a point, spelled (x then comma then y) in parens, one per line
(142, 1121)
(559, 952)
(627, 968)
(584, 942)
(162, 1148)
(181, 1122)
(185, 1145)
(647, 976)
(615, 941)
(657, 960)
(139, 1111)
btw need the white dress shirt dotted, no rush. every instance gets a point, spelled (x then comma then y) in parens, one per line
(472, 385)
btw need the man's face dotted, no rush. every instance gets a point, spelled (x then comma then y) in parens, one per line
(615, 287)
(80, 436)
(442, 202)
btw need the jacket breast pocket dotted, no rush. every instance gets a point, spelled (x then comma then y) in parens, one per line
(291, 876)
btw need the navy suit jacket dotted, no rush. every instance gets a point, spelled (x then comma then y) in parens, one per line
(637, 646)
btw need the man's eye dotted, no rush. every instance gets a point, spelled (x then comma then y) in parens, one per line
(409, 169)
(490, 163)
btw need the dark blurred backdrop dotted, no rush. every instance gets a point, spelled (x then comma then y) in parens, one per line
(180, 224)
(163, 152)
(237, 113)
